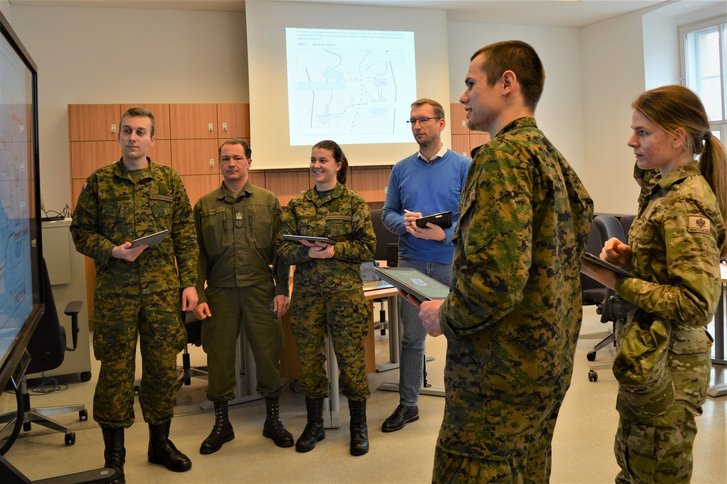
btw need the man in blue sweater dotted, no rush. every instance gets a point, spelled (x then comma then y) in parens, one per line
(424, 183)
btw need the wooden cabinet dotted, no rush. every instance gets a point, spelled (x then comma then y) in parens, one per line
(233, 121)
(193, 121)
(93, 122)
(464, 140)
(369, 181)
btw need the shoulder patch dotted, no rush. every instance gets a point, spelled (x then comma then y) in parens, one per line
(699, 224)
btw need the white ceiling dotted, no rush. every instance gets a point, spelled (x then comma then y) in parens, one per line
(563, 13)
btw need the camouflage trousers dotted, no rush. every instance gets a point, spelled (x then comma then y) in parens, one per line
(154, 319)
(659, 449)
(252, 305)
(526, 459)
(345, 317)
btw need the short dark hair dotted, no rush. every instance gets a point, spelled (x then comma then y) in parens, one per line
(236, 141)
(338, 156)
(438, 109)
(139, 113)
(519, 57)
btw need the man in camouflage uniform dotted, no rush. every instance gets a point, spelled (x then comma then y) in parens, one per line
(514, 310)
(328, 294)
(137, 288)
(238, 227)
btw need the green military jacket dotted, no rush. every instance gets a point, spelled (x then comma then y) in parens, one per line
(237, 238)
(676, 243)
(513, 313)
(118, 206)
(341, 215)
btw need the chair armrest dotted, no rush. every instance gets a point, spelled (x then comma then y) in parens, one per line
(72, 310)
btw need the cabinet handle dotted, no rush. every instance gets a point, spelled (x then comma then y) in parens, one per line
(212, 162)
(113, 128)
(210, 127)
(224, 127)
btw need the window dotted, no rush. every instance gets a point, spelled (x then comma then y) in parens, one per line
(704, 68)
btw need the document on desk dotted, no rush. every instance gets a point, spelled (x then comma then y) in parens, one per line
(414, 282)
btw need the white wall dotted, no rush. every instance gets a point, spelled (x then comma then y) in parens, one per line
(112, 55)
(613, 75)
(560, 111)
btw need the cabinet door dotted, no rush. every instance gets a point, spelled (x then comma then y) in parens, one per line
(162, 129)
(199, 185)
(458, 124)
(93, 122)
(370, 182)
(233, 121)
(287, 184)
(193, 121)
(88, 156)
(195, 156)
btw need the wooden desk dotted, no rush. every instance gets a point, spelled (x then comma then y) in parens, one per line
(719, 334)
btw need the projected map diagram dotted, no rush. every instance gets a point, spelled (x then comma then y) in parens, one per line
(352, 86)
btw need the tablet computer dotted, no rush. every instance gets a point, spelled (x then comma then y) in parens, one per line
(411, 281)
(309, 238)
(443, 219)
(606, 265)
(151, 239)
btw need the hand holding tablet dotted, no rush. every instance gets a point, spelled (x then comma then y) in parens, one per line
(151, 239)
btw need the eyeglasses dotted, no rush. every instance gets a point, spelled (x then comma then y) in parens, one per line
(420, 120)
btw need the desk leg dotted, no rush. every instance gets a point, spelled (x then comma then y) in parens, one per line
(719, 344)
(394, 336)
(332, 404)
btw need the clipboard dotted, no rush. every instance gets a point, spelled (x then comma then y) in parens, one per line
(151, 239)
(309, 238)
(411, 281)
(606, 265)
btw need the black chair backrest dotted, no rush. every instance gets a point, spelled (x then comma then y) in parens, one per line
(603, 228)
(387, 243)
(47, 346)
(626, 221)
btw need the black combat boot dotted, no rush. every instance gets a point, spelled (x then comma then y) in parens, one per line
(162, 450)
(313, 431)
(114, 452)
(274, 428)
(359, 431)
(221, 432)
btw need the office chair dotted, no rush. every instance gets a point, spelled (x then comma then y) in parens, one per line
(387, 248)
(47, 347)
(194, 337)
(603, 228)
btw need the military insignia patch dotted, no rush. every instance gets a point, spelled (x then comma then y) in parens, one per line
(699, 224)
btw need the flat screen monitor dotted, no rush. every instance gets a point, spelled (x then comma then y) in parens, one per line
(20, 246)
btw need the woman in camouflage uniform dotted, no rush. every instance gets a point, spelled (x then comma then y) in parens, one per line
(676, 242)
(328, 294)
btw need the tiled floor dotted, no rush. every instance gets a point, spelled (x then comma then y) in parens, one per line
(582, 447)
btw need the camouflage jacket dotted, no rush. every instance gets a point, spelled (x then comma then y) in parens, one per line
(675, 243)
(341, 215)
(649, 179)
(116, 206)
(514, 309)
(237, 239)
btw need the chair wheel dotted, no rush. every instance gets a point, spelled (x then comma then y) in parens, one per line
(592, 376)
(83, 415)
(295, 386)
(71, 438)
(85, 376)
(591, 356)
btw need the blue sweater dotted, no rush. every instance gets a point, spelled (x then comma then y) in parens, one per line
(428, 188)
